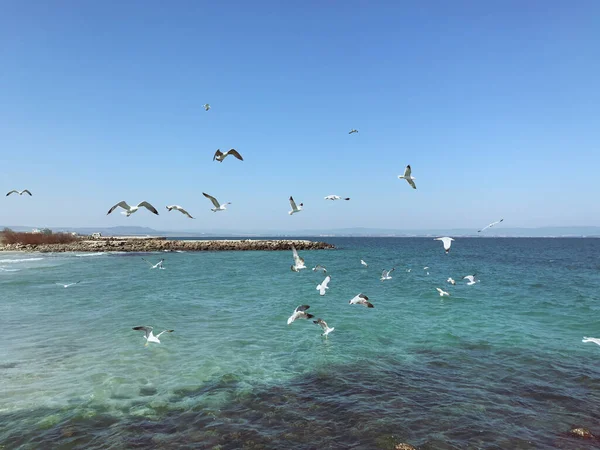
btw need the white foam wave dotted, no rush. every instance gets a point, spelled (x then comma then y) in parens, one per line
(9, 270)
(14, 261)
(91, 254)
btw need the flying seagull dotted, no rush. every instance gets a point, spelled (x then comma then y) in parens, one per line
(491, 225)
(472, 279)
(323, 324)
(300, 314)
(220, 156)
(407, 176)
(149, 336)
(353, 131)
(385, 275)
(588, 339)
(218, 206)
(295, 208)
(67, 285)
(336, 197)
(180, 209)
(158, 265)
(442, 293)
(447, 241)
(129, 210)
(451, 281)
(364, 263)
(319, 267)
(323, 286)
(206, 107)
(361, 299)
(298, 261)
(24, 191)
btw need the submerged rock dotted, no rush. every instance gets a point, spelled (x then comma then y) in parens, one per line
(581, 432)
(404, 446)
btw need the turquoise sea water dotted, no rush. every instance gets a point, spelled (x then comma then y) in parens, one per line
(497, 365)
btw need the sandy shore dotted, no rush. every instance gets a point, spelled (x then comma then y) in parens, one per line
(132, 244)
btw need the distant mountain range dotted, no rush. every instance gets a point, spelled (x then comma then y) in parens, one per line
(339, 232)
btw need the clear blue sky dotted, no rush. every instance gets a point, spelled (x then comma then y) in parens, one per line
(496, 106)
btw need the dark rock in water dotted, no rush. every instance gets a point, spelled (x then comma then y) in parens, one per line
(147, 391)
(581, 432)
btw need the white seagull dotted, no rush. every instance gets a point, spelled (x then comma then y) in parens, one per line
(490, 225)
(385, 275)
(220, 156)
(218, 206)
(158, 265)
(300, 314)
(67, 285)
(442, 293)
(298, 261)
(361, 299)
(206, 106)
(323, 324)
(451, 281)
(472, 279)
(589, 339)
(129, 210)
(323, 286)
(447, 241)
(319, 267)
(24, 191)
(336, 197)
(364, 263)
(295, 208)
(149, 336)
(180, 209)
(407, 176)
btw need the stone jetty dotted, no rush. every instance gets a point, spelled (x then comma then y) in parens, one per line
(158, 244)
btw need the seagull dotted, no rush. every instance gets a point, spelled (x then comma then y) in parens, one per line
(218, 206)
(323, 286)
(408, 177)
(129, 210)
(426, 267)
(220, 156)
(447, 242)
(298, 261)
(295, 208)
(206, 107)
(408, 270)
(364, 263)
(336, 197)
(324, 325)
(451, 281)
(472, 279)
(361, 299)
(300, 314)
(180, 209)
(67, 285)
(490, 225)
(24, 191)
(585, 339)
(319, 267)
(442, 293)
(385, 275)
(158, 265)
(149, 336)
(353, 131)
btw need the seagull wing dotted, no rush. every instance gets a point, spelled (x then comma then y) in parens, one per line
(122, 204)
(146, 330)
(363, 296)
(217, 153)
(148, 206)
(25, 191)
(235, 153)
(13, 191)
(297, 258)
(321, 323)
(391, 270)
(212, 199)
(183, 211)
(151, 265)
(407, 171)
(411, 182)
(293, 203)
(439, 290)
(301, 308)
(164, 331)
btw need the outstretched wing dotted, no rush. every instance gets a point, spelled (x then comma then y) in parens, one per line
(411, 182)
(164, 331)
(25, 191)
(301, 308)
(183, 211)
(146, 330)
(151, 265)
(297, 258)
(407, 171)
(11, 192)
(148, 206)
(321, 323)
(293, 203)
(391, 270)
(122, 204)
(212, 199)
(217, 153)
(235, 153)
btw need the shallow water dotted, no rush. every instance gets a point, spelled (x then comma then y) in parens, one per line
(497, 365)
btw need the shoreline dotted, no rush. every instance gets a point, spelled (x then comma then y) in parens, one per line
(157, 244)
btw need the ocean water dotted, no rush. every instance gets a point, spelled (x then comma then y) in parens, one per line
(497, 365)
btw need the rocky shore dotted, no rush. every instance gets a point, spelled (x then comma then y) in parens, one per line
(162, 244)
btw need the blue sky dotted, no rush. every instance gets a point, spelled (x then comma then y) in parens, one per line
(495, 105)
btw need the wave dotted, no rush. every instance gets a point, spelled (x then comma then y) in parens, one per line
(91, 254)
(13, 261)
(9, 270)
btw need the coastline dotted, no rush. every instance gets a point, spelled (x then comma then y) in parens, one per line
(157, 244)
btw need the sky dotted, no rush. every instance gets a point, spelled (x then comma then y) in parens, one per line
(495, 105)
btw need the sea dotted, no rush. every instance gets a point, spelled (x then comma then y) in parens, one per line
(496, 365)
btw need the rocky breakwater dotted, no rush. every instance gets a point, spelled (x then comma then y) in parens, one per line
(162, 244)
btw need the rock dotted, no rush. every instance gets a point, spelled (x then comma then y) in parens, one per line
(404, 446)
(581, 432)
